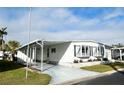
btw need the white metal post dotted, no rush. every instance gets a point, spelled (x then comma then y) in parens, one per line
(35, 54)
(120, 55)
(41, 45)
(29, 28)
(42, 56)
(104, 51)
(30, 56)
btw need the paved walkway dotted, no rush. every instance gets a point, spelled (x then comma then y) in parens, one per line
(61, 74)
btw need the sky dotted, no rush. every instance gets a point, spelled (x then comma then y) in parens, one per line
(105, 25)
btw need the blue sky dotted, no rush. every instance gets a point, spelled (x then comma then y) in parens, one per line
(100, 24)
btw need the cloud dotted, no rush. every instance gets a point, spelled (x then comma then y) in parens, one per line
(117, 12)
(61, 24)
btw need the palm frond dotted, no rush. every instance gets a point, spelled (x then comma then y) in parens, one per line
(3, 29)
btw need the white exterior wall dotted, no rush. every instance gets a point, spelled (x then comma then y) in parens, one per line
(61, 54)
(65, 51)
(108, 54)
(38, 54)
(45, 53)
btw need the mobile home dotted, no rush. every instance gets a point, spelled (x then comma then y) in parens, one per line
(63, 52)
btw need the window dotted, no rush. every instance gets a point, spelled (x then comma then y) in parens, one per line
(83, 50)
(86, 50)
(102, 51)
(53, 50)
(77, 50)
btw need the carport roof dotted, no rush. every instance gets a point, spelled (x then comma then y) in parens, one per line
(51, 42)
(44, 42)
(118, 48)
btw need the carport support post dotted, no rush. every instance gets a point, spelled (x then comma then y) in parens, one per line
(41, 45)
(42, 56)
(120, 55)
(35, 48)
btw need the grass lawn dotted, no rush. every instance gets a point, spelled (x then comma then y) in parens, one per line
(103, 68)
(14, 74)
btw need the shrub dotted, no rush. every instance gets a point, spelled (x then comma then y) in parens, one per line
(89, 60)
(105, 59)
(75, 61)
(98, 59)
(81, 61)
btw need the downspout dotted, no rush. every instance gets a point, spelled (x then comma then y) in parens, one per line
(41, 45)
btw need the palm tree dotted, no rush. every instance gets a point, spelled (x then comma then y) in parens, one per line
(13, 45)
(2, 33)
(7, 48)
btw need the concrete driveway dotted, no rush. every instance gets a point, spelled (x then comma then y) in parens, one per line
(61, 74)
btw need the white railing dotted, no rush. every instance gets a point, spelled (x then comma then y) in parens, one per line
(21, 57)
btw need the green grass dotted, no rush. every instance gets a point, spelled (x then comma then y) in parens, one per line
(104, 68)
(14, 74)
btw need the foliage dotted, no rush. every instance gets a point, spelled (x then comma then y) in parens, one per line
(7, 48)
(2, 33)
(13, 45)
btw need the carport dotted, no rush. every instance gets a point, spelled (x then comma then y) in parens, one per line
(35, 58)
(118, 53)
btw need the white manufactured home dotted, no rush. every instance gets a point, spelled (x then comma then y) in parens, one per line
(63, 52)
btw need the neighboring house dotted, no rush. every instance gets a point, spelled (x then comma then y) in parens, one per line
(62, 52)
(118, 53)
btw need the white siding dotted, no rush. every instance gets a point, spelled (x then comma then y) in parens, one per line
(61, 54)
(38, 54)
(65, 51)
(108, 54)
